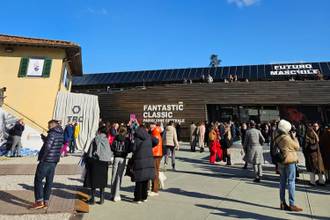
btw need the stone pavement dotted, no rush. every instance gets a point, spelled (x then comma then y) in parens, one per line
(198, 190)
(16, 189)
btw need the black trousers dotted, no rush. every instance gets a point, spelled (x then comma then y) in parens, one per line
(141, 191)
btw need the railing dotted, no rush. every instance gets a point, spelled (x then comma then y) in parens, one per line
(25, 117)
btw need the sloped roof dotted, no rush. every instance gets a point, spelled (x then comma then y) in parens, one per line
(73, 50)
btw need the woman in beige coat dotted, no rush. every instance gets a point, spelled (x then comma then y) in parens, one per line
(288, 145)
(171, 143)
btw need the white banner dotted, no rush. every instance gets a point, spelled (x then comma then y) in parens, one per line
(82, 108)
(35, 67)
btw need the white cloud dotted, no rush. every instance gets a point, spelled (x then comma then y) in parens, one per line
(101, 11)
(243, 3)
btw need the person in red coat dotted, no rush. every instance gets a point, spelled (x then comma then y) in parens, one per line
(215, 147)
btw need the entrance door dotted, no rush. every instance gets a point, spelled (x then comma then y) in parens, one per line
(222, 113)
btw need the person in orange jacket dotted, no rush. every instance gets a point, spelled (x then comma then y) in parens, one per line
(157, 151)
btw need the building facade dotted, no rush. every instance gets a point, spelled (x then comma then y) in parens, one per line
(33, 71)
(297, 92)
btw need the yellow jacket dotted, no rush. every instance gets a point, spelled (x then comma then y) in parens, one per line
(76, 131)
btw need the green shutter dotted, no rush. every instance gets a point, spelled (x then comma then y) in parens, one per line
(47, 67)
(23, 67)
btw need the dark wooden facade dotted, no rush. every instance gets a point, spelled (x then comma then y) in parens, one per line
(117, 106)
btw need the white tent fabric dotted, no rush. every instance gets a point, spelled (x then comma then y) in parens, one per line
(81, 108)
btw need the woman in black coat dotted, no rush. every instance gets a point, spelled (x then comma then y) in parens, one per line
(143, 166)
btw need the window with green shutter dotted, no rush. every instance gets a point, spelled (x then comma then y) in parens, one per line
(23, 67)
(47, 68)
(35, 67)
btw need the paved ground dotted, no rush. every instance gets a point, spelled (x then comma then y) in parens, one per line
(201, 191)
(196, 191)
(16, 189)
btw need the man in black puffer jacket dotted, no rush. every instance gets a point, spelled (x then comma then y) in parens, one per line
(49, 156)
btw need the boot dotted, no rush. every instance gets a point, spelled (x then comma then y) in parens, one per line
(245, 166)
(91, 201)
(294, 208)
(101, 196)
(228, 160)
(284, 206)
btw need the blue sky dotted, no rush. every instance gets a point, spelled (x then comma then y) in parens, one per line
(154, 34)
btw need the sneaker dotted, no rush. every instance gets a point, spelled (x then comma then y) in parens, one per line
(38, 205)
(46, 204)
(153, 194)
(256, 180)
(137, 202)
(117, 199)
(146, 200)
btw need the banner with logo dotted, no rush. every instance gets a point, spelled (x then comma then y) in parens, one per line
(82, 109)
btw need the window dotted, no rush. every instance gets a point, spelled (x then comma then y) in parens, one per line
(66, 78)
(35, 67)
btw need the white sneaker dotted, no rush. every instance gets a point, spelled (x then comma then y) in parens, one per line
(153, 194)
(117, 199)
(137, 202)
(146, 200)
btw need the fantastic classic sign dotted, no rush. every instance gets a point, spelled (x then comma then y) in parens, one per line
(163, 113)
(294, 69)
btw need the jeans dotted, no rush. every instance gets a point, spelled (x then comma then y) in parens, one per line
(119, 164)
(287, 178)
(16, 146)
(44, 170)
(170, 150)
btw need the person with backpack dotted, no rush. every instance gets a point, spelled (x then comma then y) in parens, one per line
(120, 148)
(98, 158)
(287, 145)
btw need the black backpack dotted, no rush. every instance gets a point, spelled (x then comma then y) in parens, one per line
(119, 147)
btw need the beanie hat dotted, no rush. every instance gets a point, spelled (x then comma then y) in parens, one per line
(284, 126)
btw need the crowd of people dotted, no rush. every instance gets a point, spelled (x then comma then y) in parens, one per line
(149, 144)
(284, 140)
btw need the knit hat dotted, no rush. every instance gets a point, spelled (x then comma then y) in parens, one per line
(284, 126)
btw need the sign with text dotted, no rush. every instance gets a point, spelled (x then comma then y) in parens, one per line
(163, 113)
(294, 69)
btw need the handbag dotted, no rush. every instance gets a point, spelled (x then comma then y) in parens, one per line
(277, 154)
